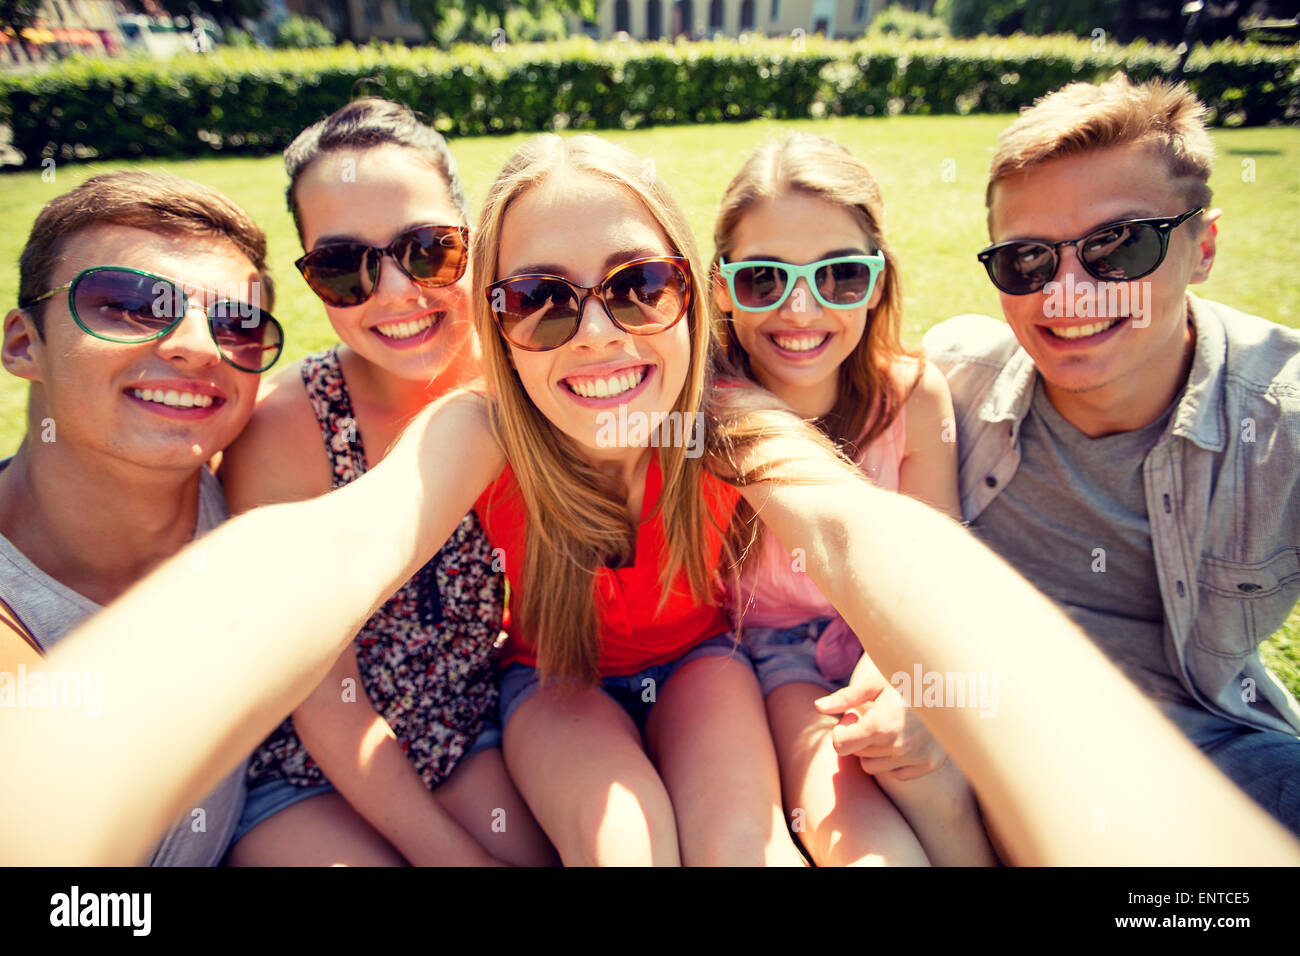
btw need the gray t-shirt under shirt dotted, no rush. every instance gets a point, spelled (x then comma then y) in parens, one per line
(51, 611)
(1074, 522)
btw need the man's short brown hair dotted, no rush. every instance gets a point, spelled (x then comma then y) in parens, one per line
(1083, 117)
(159, 202)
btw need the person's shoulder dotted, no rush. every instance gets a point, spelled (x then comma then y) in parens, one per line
(1259, 353)
(1246, 328)
(283, 412)
(927, 405)
(929, 392)
(475, 395)
(969, 338)
(280, 455)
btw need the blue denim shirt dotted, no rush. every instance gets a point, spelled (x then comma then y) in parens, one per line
(1222, 490)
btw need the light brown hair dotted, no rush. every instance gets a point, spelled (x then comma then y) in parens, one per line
(868, 395)
(1083, 117)
(159, 202)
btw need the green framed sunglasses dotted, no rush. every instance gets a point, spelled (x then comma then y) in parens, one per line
(129, 306)
(840, 282)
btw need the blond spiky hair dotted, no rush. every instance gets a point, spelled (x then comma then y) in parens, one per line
(1083, 117)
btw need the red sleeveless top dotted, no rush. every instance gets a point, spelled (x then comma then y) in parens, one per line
(633, 633)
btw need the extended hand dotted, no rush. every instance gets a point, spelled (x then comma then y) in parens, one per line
(879, 729)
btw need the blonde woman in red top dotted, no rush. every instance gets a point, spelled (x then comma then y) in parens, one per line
(634, 727)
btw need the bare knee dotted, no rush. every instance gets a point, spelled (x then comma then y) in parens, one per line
(728, 844)
(483, 799)
(620, 827)
(726, 836)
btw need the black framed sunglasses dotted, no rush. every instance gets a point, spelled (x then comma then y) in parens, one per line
(129, 306)
(1116, 252)
(642, 297)
(345, 274)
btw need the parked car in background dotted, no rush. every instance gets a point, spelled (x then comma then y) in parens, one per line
(163, 37)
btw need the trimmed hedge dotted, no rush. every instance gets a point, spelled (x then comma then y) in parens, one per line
(257, 100)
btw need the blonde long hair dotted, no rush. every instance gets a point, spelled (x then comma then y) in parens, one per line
(820, 167)
(576, 522)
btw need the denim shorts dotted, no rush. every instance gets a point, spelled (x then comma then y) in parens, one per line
(1263, 763)
(269, 798)
(786, 655)
(633, 692)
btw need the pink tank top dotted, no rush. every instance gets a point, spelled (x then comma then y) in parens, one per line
(781, 593)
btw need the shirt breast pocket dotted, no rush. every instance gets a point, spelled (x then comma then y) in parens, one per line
(1243, 603)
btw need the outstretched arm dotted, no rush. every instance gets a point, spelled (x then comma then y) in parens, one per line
(1071, 764)
(204, 657)
(277, 458)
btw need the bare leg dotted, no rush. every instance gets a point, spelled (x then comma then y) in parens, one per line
(320, 831)
(709, 739)
(845, 818)
(943, 813)
(578, 761)
(481, 797)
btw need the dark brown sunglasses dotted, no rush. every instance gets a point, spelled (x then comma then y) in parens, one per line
(345, 274)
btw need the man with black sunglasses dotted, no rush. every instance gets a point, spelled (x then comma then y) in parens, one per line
(142, 326)
(1133, 449)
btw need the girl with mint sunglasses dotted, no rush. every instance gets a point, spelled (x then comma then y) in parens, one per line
(807, 300)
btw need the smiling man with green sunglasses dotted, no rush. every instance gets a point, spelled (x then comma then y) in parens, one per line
(142, 326)
(131, 306)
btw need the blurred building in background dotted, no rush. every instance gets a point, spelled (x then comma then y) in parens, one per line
(62, 28)
(693, 19)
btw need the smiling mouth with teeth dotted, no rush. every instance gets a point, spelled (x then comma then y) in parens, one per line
(1083, 331)
(406, 330)
(608, 386)
(172, 398)
(800, 341)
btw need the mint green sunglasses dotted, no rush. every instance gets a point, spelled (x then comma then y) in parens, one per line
(841, 282)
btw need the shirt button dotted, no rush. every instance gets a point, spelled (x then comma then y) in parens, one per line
(1182, 591)
(990, 481)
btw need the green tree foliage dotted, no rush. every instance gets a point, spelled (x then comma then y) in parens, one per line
(899, 21)
(497, 10)
(521, 26)
(1160, 21)
(968, 18)
(474, 21)
(302, 33)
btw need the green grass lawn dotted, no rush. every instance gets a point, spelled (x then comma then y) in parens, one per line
(932, 170)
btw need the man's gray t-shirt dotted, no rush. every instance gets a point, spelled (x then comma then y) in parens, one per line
(51, 611)
(1074, 522)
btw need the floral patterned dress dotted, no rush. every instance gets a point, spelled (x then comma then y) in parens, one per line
(426, 656)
